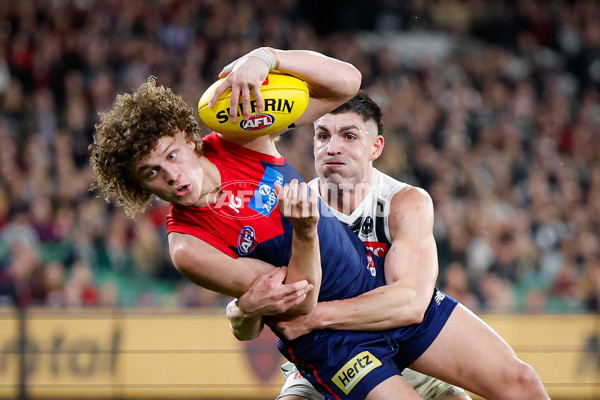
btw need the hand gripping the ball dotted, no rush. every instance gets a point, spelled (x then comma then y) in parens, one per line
(269, 101)
(245, 75)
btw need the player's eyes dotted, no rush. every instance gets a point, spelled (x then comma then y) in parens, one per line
(322, 136)
(350, 136)
(152, 173)
(172, 156)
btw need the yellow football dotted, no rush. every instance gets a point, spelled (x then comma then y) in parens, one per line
(285, 99)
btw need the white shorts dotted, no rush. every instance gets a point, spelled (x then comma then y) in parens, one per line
(296, 385)
(427, 387)
(430, 388)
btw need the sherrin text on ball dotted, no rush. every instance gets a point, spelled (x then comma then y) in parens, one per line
(285, 99)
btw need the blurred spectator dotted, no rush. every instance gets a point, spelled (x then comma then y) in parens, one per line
(456, 284)
(591, 286)
(54, 280)
(80, 289)
(19, 229)
(22, 277)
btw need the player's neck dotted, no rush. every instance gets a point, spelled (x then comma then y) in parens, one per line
(211, 184)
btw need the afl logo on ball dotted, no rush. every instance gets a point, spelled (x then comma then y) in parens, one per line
(257, 122)
(246, 241)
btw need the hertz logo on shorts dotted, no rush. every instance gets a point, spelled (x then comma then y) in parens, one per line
(354, 370)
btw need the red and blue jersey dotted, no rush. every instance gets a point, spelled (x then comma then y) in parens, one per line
(245, 221)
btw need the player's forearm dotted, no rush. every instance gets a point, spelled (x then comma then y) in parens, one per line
(414, 267)
(328, 77)
(299, 206)
(244, 326)
(386, 307)
(305, 264)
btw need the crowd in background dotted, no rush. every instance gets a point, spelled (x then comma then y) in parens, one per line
(491, 106)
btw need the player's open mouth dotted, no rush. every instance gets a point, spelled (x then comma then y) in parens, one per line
(182, 190)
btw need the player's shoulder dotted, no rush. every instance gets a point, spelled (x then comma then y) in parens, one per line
(410, 196)
(388, 188)
(406, 199)
(411, 213)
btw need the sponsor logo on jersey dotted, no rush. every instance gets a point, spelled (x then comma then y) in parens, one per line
(246, 241)
(439, 297)
(257, 122)
(371, 265)
(377, 248)
(264, 199)
(354, 370)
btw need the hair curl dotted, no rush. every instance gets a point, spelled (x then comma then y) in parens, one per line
(128, 133)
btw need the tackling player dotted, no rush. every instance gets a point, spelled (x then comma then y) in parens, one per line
(347, 141)
(393, 218)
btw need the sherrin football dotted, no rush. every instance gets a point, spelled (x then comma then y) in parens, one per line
(285, 99)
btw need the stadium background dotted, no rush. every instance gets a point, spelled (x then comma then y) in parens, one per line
(492, 106)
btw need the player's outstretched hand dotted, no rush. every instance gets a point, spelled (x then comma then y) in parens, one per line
(268, 295)
(243, 76)
(299, 205)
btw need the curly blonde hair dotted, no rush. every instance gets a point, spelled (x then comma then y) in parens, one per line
(128, 133)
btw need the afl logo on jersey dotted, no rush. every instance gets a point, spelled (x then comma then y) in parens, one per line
(246, 241)
(371, 265)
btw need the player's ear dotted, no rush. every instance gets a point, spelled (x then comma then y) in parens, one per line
(377, 147)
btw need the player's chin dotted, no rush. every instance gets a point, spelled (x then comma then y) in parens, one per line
(184, 200)
(334, 177)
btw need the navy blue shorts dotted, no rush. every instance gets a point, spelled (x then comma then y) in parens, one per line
(349, 364)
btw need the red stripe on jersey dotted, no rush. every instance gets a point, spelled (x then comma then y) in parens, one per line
(314, 371)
